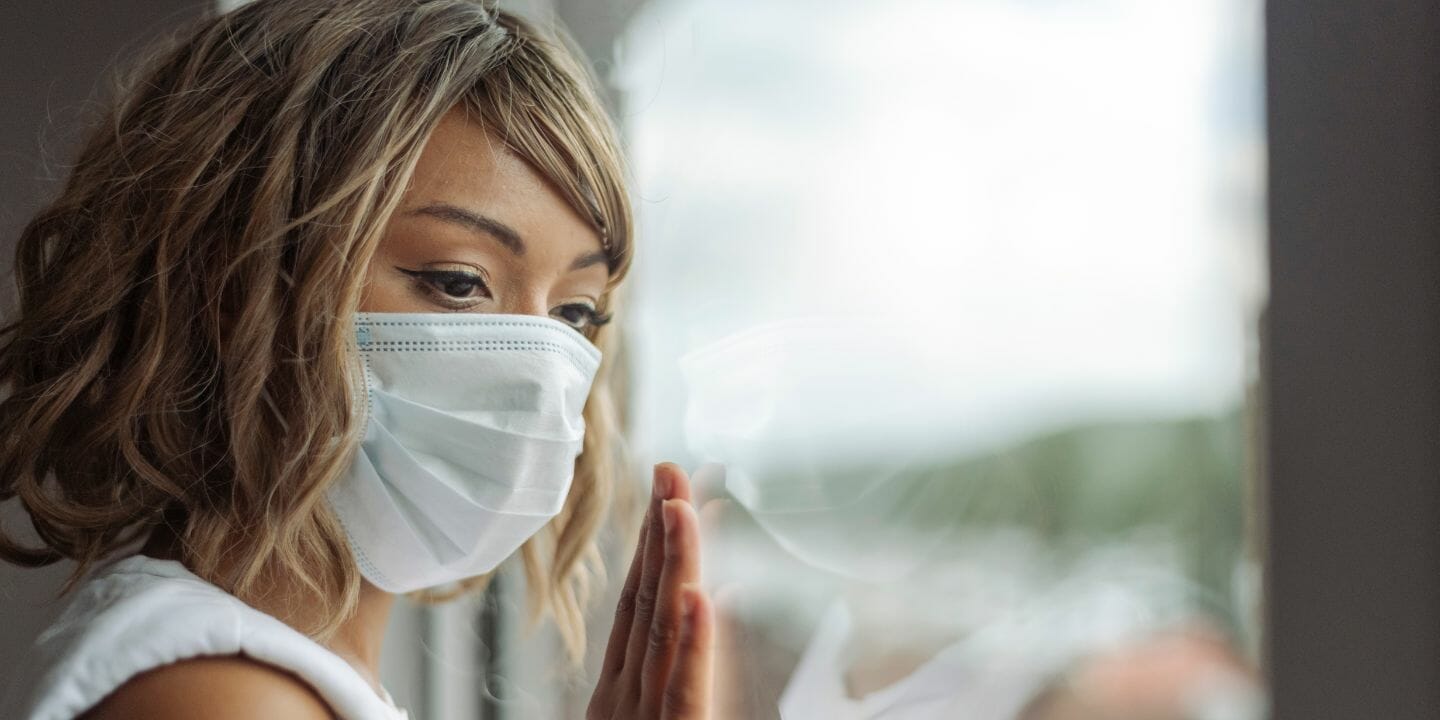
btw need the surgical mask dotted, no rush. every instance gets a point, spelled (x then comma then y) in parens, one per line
(473, 424)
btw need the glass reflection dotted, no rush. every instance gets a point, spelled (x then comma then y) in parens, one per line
(960, 300)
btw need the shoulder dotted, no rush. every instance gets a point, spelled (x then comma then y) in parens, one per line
(221, 688)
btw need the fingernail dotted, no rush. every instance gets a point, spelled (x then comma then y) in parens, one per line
(688, 604)
(661, 485)
(667, 514)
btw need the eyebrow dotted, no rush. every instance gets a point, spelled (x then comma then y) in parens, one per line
(474, 221)
(587, 260)
(503, 233)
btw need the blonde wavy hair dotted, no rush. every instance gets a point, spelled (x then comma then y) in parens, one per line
(183, 354)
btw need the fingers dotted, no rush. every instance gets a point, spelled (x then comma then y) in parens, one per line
(687, 692)
(681, 572)
(625, 608)
(677, 483)
(670, 483)
(654, 637)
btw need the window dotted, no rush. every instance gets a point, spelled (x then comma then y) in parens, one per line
(964, 298)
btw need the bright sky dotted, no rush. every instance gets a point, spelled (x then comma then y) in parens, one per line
(927, 226)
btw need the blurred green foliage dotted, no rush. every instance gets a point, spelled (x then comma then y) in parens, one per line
(1179, 480)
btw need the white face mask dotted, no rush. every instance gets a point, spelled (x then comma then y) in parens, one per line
(473, 424)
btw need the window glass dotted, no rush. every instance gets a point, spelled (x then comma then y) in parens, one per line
(959, 301)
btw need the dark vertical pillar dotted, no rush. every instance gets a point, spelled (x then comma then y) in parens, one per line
(1353, 366)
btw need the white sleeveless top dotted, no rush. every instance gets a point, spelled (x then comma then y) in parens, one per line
(141, 613)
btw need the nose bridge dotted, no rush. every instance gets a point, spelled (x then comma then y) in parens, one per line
(527, 296)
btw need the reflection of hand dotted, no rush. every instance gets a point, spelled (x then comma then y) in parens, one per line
(733, 687)
(748, 678)
(658, 662)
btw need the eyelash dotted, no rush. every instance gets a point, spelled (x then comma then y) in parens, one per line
(433, 283)
(592, 318)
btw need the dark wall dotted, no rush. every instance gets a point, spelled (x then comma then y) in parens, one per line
(54, 56)
(54, 59)
(1354, 358)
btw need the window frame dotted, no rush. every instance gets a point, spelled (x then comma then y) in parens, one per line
(1352, 359)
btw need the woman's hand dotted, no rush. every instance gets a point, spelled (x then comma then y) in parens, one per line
(658, 663)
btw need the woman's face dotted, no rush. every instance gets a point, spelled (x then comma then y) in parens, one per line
(478, 230)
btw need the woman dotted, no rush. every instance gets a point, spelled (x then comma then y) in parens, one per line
(317, 320)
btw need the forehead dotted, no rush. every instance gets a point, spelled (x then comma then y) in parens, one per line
(466, 166)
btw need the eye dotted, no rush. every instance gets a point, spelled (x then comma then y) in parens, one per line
(450, 286)
(580, 315)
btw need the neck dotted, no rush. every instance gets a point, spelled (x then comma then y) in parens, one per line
(359, 638)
